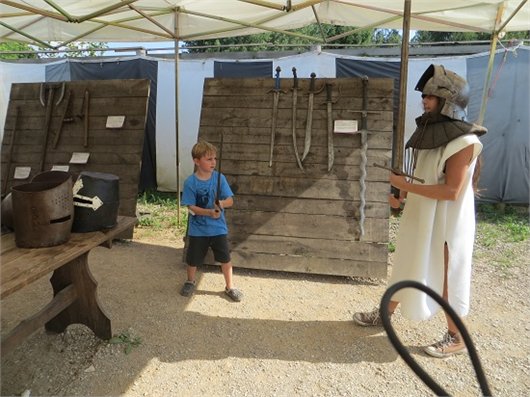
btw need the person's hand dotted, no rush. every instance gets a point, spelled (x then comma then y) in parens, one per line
(398, 181)
(215, 213)
(395, 202)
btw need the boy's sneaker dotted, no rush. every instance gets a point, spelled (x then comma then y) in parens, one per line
(368, 319)
(448, 346)
(234, 294)
(188, 288)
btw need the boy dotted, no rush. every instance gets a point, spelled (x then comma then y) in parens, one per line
(206, 193)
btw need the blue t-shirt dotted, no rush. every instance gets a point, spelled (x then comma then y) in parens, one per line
(202, 194)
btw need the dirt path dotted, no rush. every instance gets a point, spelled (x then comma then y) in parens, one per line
(291, 336)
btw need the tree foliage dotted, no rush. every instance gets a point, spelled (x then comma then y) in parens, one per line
(278, 41)
(423, 36)
(75, 49)
(20, 48)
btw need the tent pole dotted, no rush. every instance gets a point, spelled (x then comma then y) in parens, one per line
(399, 133)
(491, 60)
(177, 157)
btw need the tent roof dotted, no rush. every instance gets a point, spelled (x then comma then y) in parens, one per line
(65, 21)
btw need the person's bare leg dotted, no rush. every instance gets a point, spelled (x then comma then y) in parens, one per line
(451, 326)
(191, 271)
(226, 268)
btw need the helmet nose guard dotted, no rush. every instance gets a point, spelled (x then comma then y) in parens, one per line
(438, 81)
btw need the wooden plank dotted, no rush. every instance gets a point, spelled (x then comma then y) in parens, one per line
(110, 88)
(265, 102)
(376, 139)
(307, 188)
(244, 224)
(25, 328)
(22, 266)
(309, 206)
(310, 247)
(297, 264)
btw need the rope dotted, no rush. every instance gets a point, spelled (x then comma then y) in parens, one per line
(405, 355)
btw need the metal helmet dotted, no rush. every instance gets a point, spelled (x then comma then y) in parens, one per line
(449, 86)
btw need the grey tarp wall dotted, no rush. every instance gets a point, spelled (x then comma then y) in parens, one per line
(505, 175)
(239, 70)
(133, 69)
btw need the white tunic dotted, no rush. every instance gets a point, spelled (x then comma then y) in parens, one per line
(426, 224)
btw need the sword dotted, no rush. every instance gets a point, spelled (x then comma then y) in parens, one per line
(398, 172)
(309, 120)
(295, 99)
(329, 105)
(276, 98)
(218, 192)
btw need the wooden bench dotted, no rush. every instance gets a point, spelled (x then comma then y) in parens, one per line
(74, 288)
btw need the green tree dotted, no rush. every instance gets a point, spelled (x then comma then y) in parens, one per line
(20, 50)
(279, 41)
(423, 36)
(76, 49)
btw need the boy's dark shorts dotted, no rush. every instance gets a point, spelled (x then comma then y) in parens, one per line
(198, 247)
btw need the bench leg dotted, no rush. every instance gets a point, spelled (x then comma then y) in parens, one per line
(85, 310)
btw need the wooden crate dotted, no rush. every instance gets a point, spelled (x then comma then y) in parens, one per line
(306, 221)
(112, 150)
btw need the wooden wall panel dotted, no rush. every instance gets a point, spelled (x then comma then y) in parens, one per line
(115, 151)
(288, 219)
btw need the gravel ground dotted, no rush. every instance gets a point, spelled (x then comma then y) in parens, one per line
(291, 336)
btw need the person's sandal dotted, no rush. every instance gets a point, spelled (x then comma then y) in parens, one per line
(188, 288)
(234, 294)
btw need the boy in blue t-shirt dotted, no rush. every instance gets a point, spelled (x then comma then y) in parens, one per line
(207, 224)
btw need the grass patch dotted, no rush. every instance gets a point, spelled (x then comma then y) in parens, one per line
(158, 211)
(502, 235)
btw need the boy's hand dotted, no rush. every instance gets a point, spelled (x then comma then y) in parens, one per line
(215, 213)
(218, 206)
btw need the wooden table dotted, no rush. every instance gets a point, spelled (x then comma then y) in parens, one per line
(74, 288)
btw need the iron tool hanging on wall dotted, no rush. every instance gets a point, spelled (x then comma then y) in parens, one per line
(295, 99)
(329, 108)
(309, 119)
(46, 97)
(276, 98)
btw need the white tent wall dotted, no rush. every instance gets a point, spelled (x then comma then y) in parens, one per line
(15, 72)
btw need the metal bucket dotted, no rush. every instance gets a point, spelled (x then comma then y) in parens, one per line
(43, 210)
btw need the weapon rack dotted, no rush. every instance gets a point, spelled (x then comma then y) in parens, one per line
(286, 219)
(116, 151)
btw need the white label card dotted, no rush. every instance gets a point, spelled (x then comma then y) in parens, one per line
(22, 172)
(115, 121)
(64, 168)
(79, 158)
(345, 126)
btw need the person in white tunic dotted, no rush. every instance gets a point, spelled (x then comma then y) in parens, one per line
(435, 241)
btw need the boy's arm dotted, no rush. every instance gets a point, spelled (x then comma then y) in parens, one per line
(226, 203)
(194, 210)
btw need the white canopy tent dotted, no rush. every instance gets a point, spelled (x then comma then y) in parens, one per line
(152, 20)
(64, 21)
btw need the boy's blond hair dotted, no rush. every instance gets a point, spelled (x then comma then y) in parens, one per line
(202, 148)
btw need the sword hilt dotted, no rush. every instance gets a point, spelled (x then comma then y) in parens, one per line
(277, 78)
(312, 82)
